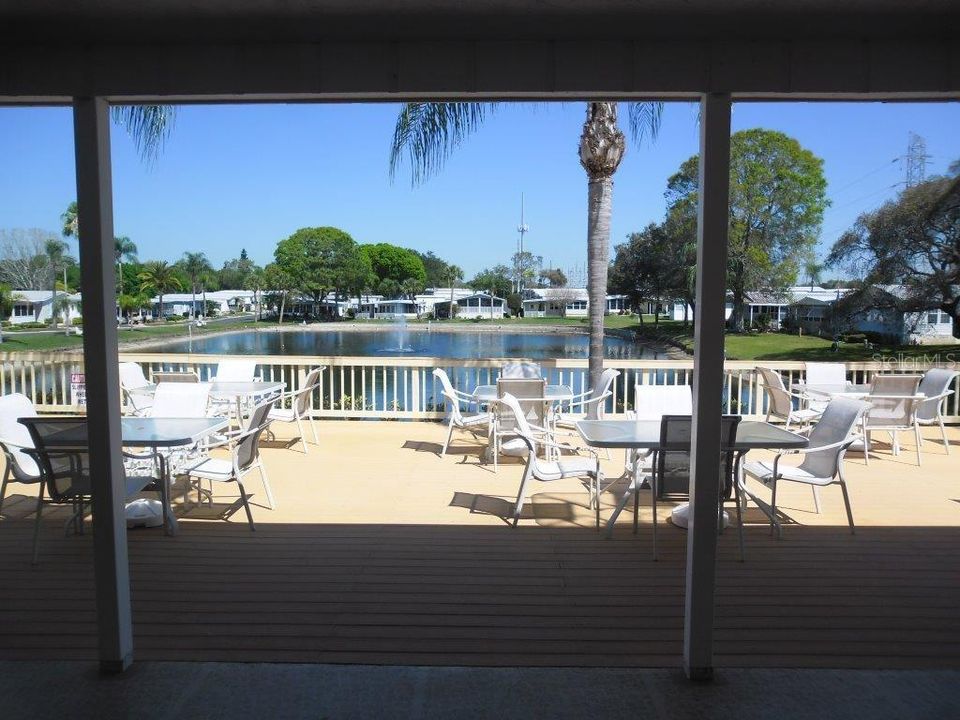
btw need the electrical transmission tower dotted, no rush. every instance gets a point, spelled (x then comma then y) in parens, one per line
(915, 169)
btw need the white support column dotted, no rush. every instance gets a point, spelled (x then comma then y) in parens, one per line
(91, 122)
(708, 376)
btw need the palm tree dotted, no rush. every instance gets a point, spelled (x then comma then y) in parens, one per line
(454, 274)
(69, 218)
(428, 133)
(55, 250)
(410, 287)
(195, 265)
(158, 277)
(254, 281)
(814, 271)
(123, 249)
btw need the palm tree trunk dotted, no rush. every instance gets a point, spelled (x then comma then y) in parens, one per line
(283, 302)
(601, 149)
(599, 205)
(193, 301)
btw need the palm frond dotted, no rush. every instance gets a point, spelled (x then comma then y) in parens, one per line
(644, 120)
(428, 132)
(148, 125)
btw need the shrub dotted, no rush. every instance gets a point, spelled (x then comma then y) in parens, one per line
(478, 318)
(351, 313)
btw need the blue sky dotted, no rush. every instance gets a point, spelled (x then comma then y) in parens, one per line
(247, 176)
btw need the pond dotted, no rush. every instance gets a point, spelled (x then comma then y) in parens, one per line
(418, 342)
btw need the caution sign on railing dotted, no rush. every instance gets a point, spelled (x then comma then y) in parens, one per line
(78, 389)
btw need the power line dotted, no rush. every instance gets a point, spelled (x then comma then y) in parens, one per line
(873, 172)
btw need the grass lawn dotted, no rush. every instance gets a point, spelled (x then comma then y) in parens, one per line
(38, 342)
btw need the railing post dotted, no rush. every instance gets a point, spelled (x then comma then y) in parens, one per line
(708, 384)
(415, 391)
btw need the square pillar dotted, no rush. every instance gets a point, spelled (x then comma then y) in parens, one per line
(708, 381)
(91, 123)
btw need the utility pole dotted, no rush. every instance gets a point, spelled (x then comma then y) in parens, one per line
(523, 229)
(916, 161)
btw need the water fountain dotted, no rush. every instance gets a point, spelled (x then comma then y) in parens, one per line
(401, 334)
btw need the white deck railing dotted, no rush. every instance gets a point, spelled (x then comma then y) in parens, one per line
(395, 387)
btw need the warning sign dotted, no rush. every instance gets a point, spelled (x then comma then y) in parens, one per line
(78, 389)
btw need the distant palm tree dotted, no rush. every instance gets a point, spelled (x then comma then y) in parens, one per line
(254, 281)
(428, 133)
(123, 249)
(454, 274)
(195, 265)
(410, 287)
(70, 221)
(814, 272)
(56, 251)
(158, 277)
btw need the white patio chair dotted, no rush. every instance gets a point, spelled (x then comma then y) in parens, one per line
(935, 388)
(177, 400)
(823, 373)
(530, 394)
(652, 402)
(780, 401)
(235, 370)
(591, 403)
(299, 406)
(137, 390)
(14, 441)
(822, 460)
(244, 447)
(520, 370)
(548, 470)
(470, 423)
(893, 403)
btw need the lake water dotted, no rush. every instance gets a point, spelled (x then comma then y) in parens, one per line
(433, 343)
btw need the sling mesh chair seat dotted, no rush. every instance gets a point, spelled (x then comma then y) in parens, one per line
(530, 395)
(780, 401)
(894, 400)
(137, 390)
(670, 474)
(61, 453)
(244, 447)
(822, 459)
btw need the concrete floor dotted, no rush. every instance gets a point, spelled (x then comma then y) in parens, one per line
(236, 690)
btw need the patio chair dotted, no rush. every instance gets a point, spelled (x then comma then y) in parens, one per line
(935, 387)
(670, 475)
(520, 370)
(65, 471)
(893, 403)
(15, 440)
(780, 401)
(176, 377)
(454, 397)
(299, 406)
(530, 394)
(822, 462)
(179, 400)
(235, 370)
(591, 403)
(824, 373)
(548, 470)
(137, 390)
(652, 402)
(244, 446)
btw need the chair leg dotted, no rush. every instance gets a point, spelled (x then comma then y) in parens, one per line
(653, 507)
(246, 506)
(446, 444)
(739, 501)
(846, 503)
(266, 484)
(916, 434)
(303, 440)
(774, 525)
(816, 498)
(3, 487)
(866, 447)
(598, 478)
(520, 495)
(313, 427)
(943, 433)
(621, 504)
(36, 528)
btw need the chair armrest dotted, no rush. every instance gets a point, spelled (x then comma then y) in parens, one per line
(820, 448)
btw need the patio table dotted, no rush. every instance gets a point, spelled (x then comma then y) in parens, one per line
(152, 433)
(834, 390)
(645, 435)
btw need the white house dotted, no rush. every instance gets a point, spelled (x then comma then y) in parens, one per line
(36, 306)
(390, 309)
(225, 301)
(907, 328)
(429, 298)
(556, 302)
(478, 304)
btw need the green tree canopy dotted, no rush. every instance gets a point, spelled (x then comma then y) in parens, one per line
(496, 279)
(321, 259)
(914, 241)
(648, 266)
(777, 201)
(395, 263)
(436, 268)
(553, 277)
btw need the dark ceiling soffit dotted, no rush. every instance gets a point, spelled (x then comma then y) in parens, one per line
(337, 71)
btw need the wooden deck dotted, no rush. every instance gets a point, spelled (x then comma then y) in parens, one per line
(381, 552)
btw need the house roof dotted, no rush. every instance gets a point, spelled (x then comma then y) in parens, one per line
(41, 296)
